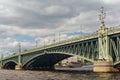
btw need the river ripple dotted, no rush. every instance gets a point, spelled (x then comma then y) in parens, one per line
(56, 75)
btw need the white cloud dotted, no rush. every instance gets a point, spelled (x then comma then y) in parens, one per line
(84, 20)
(14, 30)
(111, 1)
(7, 12)
(56, 10)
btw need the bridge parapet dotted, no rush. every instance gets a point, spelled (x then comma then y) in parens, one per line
(113, 30)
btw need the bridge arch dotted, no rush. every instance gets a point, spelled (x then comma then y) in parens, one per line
(117, 64)
(9, 64)
(47, 60)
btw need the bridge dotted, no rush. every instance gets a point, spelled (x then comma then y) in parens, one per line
(102, 48)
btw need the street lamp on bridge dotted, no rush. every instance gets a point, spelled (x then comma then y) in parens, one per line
(19, 47)
(36, 43)
(1, 55)
(19, 57)
(102, 16)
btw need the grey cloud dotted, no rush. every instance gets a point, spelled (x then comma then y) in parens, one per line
(32, 18)
(37, 14)
(45, 14)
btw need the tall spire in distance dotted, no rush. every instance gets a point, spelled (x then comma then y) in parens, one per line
(102, 16)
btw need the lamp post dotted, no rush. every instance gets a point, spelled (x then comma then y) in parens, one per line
(59, 37)
(54, 38)
(1, 56)
(19, 48)
(36, 43)
(19, 57)
(44, 43)
(19, 66)
(1, 63)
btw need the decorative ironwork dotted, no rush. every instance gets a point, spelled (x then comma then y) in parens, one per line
(102, 16)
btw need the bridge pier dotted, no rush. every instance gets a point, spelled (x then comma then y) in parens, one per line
(18, 67)
(103, 66)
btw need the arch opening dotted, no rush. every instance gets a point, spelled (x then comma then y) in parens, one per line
(46, 61)
(10, 65)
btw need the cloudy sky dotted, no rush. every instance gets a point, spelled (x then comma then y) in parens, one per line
(28, 21)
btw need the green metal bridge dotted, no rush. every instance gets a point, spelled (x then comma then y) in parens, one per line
(103, 45)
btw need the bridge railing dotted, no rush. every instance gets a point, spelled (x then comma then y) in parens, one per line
(92, 35)
(113, 29)
(72, 40)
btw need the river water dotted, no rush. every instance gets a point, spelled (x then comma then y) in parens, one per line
(56, 75)
(59, 74)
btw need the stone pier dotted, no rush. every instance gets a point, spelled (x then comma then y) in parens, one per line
(103, 66)
(18, 67)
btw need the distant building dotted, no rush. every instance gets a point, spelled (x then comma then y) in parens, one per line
(67, 61)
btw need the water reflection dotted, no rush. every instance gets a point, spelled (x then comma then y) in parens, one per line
(56, 75)
(86, 73)
(94, 76)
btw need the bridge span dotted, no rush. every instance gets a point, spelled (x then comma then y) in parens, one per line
(102, 48)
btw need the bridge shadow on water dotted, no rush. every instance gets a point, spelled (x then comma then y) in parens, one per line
(76, 70)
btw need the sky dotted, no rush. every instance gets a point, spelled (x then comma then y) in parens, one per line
(30, 21)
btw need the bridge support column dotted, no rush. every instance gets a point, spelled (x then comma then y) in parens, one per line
(103, 66)
(18, 67)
